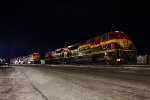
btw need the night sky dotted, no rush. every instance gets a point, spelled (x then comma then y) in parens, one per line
(40, 26)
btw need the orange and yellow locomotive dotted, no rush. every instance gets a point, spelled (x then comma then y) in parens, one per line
(111, 48)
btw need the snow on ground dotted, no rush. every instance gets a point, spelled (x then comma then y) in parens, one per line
(61, 82)
(15, 86)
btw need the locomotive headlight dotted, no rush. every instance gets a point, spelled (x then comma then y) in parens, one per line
(118, 60)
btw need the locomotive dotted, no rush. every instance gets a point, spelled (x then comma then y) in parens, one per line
(33, 58)
(111, 48)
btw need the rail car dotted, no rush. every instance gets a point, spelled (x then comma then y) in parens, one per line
(111, 48)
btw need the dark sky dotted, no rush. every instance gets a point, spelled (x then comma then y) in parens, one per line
(40, 26)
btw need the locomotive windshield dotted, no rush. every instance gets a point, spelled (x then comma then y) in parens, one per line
(116, 35)
(73, 47)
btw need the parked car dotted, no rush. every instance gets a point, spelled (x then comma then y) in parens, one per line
(6, 64)
(3, 62)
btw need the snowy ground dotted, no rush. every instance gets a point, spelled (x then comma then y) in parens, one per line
(15, 86)
(66, 83)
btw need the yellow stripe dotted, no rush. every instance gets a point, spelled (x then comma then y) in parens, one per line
(84, 45)
(97, 45)
(114, 40)
(84, 50)
(87, 55)
(74, 50)
(106, 51)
